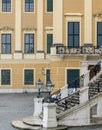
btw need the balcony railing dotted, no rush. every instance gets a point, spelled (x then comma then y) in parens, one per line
(79, 50)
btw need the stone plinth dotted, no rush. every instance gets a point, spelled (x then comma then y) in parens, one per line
(49, 115)
(37, 106)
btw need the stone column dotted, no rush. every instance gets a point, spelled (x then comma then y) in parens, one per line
(40, 52)
(18, 51)
(49, 115)
(37, 106)
(88, 21)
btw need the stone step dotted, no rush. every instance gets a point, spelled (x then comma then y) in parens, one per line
(32, 120)
(21, 125)
(96, 120)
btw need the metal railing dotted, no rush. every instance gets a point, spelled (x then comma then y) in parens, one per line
(79, 50)
(94, 70)
(73, 98)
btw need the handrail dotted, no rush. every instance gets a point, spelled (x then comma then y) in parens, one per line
(79, 82)
(54, 96)
(96, 69)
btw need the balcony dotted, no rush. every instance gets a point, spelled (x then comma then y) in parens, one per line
(83, 50)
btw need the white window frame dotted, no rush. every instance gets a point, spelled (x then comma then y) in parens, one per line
(1, 7)
(10, 76)
(33, 78)
(24, 7)
(73, 17)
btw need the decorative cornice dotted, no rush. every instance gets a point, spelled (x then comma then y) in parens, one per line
(6, 28)
(29, 28)
(98, 14)
(48, 28)
(73, 14)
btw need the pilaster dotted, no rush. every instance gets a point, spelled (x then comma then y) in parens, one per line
(18, 52)
(88, 21)
(40, 52)
(57, 21)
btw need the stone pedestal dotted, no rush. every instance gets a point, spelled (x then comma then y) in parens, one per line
(37, 106)
(49, 115)
(84, 94)
(99, 107)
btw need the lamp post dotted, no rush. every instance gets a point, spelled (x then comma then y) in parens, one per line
(39, 84)
(49, 86)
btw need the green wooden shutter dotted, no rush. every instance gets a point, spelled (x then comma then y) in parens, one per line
(73, 74)
(49, 5)
(49, 42)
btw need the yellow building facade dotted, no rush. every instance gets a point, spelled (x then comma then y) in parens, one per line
(61, 37)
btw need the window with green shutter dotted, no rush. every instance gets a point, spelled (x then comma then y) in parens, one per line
(73, 34)
(72, 75)
(29, 77)
(49, 5)
(49, 42)
(5, 77)
(47, 75)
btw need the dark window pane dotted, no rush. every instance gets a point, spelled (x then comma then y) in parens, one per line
(76, 41)
(99, 27)
(49, 5)
(6, 5)
(29, 5)
(73, 34)
(47, 75)
(49, 42)
(5, 77)
(99, 34)
(29, 43)
(70, 41)
(76, 28)
(6, 43)
(72, 75)
(29, 77)
(70, 28)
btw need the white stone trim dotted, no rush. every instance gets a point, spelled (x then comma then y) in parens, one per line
(6, 56)
(20, 90)
(49, 28)
(73, 14)
(29, 56)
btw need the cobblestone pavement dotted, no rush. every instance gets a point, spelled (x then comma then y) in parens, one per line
(16, 106)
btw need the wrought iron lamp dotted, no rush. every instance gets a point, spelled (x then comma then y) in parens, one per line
(39, 84)
(49, 86)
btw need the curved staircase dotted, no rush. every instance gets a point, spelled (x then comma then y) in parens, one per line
(72, 110)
